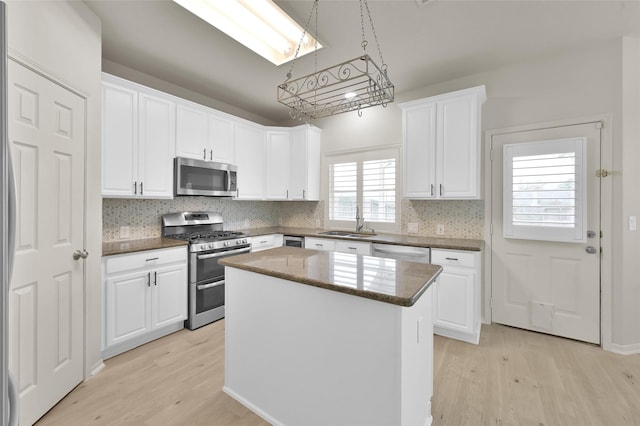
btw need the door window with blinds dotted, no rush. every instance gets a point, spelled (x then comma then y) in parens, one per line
(366, 181)
(545, 192)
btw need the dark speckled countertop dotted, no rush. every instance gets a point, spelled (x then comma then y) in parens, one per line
(385, 280)
(382, 238)
(132, 246)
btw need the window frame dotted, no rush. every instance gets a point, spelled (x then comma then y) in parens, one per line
(359, 157)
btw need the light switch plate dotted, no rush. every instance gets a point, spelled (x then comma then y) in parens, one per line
(440, 229)
(633, 223)
(412, 228)
(124, 232)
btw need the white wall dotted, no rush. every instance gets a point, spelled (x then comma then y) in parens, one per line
(581, 83)
(64, 40)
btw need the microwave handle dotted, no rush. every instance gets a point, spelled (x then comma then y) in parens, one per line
(228, 180)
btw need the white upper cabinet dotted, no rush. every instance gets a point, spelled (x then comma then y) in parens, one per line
(250, 159)
(278, 163)
(191, 132)
(204, 134)
(222, 138)
(441, 138)
(305, 163)
(138, 141)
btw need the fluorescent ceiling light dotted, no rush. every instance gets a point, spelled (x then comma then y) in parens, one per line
(260, 25)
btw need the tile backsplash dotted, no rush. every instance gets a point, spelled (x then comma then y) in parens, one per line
(144, 217)
(461, 219)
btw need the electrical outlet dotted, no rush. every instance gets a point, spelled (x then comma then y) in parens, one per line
(246, 223)
(440, 229)
(412, 228)
(125, 232)
(318, 224)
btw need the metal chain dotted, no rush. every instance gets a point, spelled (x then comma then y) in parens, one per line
(373, 30)
(314, 8)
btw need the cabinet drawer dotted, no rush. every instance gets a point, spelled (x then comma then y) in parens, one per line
(264, 242)
(468, 259)
(353, 247)
(319, 244)
(149, 258)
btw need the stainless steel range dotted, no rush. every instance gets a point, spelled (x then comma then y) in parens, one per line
(208, 243)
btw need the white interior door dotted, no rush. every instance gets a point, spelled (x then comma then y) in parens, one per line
(47, 138)
(538, 284)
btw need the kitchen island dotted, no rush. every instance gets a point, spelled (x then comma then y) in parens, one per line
(327, 338)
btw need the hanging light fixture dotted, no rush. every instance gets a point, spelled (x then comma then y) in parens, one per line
(348, 86)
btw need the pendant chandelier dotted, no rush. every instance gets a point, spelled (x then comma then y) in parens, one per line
(348, 86)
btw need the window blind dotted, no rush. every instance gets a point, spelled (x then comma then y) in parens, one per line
(379, 190)
(343, 190)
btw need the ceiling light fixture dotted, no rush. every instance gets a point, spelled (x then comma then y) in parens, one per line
(259, 25)
(348, 86)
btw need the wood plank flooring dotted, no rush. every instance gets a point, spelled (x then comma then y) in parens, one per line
(513, 377)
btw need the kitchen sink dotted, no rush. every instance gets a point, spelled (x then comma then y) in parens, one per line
(348, 234)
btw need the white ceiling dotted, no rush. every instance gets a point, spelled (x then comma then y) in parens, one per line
(422, 45)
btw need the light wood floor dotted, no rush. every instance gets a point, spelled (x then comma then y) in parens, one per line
(513, 377)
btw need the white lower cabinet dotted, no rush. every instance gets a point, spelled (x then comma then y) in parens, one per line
(456, 301)
(145, 297)
(354, 247)
(265, 242)
(319, 244)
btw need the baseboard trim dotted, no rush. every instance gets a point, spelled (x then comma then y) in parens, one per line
(251, 407)
(96, 368)
(127, 345)
(625, 349)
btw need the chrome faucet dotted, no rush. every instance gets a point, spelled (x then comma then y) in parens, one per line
(359, 224)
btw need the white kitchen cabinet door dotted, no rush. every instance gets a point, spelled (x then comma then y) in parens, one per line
(419, 133)
(353, 247)
(458, 152)
(304, 182)
(156, 146)
(441, 141)
(128, 307)
(169, 295)
(191, 132)
(250, 159)
(456, 309)
(319, 244)
(278, 164)
(222, 138)
(119, 140)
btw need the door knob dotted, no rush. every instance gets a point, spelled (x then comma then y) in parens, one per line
(591, 250)
(591, 234)
(80, 254)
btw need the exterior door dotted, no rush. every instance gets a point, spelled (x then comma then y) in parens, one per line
(47, 137)
(537, 283)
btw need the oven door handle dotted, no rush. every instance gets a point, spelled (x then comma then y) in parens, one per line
(223, 253)
(210, 285)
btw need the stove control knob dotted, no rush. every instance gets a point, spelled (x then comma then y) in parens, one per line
(210, 246)
(226, 243)
(244, 241)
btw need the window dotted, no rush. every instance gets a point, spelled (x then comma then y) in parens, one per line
(367, 181)
(545, 190)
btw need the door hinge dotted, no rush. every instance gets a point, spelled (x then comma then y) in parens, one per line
(600, 125)
(491, 229)
(491, 154)
(601, 173)
(491, 302)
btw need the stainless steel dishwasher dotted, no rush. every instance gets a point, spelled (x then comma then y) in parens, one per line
(406, 253)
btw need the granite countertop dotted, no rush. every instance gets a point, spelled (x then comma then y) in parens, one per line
(382, 238)
(385, 280)
(132, 246)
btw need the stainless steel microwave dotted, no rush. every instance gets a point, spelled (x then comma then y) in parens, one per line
(197, 177)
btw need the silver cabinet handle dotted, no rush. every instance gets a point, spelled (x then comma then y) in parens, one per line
(80, 254)
(452, 258)
(135, 188)
(287, 193)
(432, 190)
(155, 277)
(148, 279)
(304, 194)
(153, 258)
(204, 154)
(141, 188)
(211, 154)
(441, 190)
